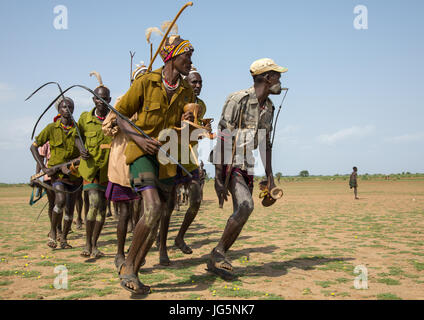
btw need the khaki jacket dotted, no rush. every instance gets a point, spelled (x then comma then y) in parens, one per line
(244, 103)
(147, 97)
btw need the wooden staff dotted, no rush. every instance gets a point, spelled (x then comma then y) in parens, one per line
(166, 34)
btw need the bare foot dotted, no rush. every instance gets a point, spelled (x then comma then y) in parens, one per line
(180, 243)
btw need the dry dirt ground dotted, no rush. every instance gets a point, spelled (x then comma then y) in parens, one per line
(306, 246)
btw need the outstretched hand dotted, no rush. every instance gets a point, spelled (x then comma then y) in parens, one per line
(49, 171)
(271, 184)
(189, 116)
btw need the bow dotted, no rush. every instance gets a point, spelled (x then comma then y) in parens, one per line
(140, 133)
(63, 97)
(278, 113)
(166, 34)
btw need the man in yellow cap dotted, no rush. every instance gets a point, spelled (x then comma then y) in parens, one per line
(246, 120)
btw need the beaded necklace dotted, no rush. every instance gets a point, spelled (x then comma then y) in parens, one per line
(98, 117)
(168, 85)
(66, 127)
(61, 124)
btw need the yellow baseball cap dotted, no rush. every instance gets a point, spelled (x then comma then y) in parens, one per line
(264, 65)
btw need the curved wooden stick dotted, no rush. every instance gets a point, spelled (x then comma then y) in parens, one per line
(188, 4)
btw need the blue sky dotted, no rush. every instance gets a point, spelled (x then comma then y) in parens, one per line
(356, 96)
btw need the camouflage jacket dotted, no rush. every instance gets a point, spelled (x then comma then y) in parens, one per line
(256, 126)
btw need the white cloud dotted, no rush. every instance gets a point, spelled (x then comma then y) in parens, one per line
(414, 137)
(348, 133)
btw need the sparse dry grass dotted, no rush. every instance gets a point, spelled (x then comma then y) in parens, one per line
(304, 247)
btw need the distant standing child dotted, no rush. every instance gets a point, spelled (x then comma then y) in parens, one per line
(353, 182)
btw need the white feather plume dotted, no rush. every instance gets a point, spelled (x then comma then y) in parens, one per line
(151, 30)
(99, 78)
(165, 25)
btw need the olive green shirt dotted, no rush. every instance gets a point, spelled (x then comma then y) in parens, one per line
(147, 97)
(97, 145)
(62, 143)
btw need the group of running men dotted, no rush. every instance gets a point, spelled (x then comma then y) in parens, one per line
(104, 157)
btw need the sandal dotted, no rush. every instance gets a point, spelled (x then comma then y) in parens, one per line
(85, 253)
(96, 254)
(52, 243)
(220, 265)
(126, 279)
(65, 245)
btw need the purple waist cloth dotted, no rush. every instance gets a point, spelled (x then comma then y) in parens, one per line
(247, 178)
(118, 193)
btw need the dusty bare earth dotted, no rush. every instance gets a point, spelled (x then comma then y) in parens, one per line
(305, 247)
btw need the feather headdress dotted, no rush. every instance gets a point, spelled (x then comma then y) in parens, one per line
(99, 78)
(140, 69)
(151, 30)
(165, 25)
(193, 69)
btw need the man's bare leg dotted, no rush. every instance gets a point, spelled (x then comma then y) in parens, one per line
(164, 228)
(116, 211)
(194, 205)
(145, 229)
(50, 199)
(138, 210)
(78, 208)
(131, 224)
(57, 213)
(86, 204)
(93, 199)
(243, 207)
(108, 209)
(67, 220)
(98, 226)
(124, 217)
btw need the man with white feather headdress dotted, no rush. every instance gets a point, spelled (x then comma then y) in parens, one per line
(159, 98)
(93, 167)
